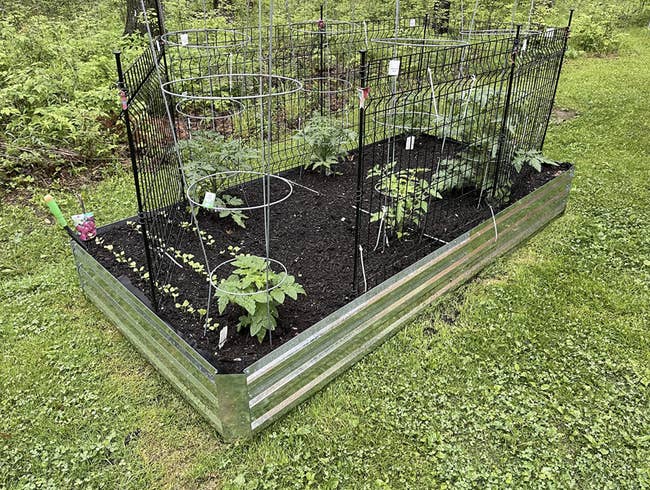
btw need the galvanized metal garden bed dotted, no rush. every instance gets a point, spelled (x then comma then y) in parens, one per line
(239, 405)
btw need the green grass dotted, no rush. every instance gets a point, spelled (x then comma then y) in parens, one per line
(535, 375)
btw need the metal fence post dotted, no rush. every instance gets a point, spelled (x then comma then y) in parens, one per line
(363, 74)
(506, 113)
(557, 78)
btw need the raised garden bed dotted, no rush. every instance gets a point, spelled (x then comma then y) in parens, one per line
(239, 394)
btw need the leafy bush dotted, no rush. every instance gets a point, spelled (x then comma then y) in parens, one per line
(327, 142)
(595, 33)
(58, 104)
(247, 287)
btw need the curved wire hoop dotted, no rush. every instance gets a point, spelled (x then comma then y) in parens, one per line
(206, 39)
(498, 33)
(230, 173)
(170, 88)
(415, 42)
(184, 106)
(215, 285)
(422, 115)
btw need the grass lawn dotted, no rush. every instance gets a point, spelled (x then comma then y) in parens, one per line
(537, 374)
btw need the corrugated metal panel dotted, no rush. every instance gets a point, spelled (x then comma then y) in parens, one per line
(186, 370)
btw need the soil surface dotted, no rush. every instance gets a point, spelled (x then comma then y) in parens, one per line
(312, 233)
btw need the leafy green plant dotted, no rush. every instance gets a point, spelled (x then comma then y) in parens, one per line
(247, 287)
(409, 196)
(532, 158)
(327, 142)
(476, 117)
(595, 32)
(209, 152)
(227, 203)
(454, 173)
(58, 110)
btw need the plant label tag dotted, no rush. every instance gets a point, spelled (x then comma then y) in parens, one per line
(393, 68)
(208, 200)
(524, 46)
(410, 142)
(412, 23)
(223, 336)
(185, 39)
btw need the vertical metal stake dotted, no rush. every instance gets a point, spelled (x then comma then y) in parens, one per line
(557, 78)
(506, 112)
(363, 72)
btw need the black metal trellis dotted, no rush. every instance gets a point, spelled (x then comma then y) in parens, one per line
(449, 122)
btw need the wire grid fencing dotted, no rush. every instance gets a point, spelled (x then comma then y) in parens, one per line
(322, 55)
(444, 122)
(154, 163)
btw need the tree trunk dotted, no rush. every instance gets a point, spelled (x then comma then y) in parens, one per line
(134, 19)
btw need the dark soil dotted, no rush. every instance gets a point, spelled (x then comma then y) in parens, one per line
(313, 235)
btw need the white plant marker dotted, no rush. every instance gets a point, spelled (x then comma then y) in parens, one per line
(223, 336)
(393, 67)
(208, 200)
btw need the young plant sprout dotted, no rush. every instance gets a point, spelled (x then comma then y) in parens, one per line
(247, 287)
(327, 142)
(409, 195)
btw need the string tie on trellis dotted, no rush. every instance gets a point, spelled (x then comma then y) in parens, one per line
(363, 270)
(384, 212)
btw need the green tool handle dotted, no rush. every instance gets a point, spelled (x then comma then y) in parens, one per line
(55, 210)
